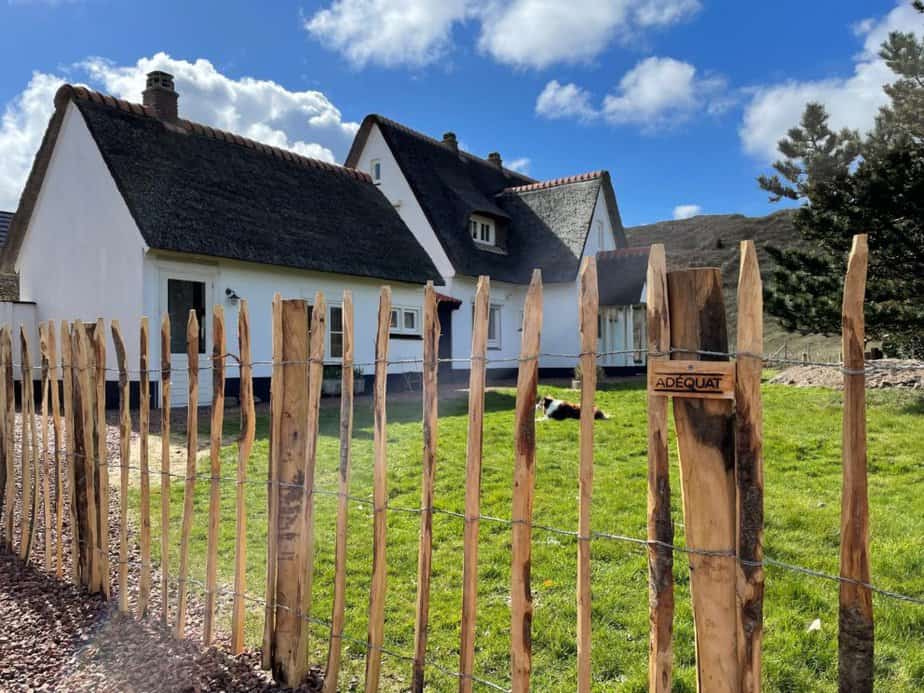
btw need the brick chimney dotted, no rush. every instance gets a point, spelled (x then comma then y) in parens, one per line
(495, 158)
(161, 96)
(450, 141)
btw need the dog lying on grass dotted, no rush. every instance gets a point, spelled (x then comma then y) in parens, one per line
(559, 409)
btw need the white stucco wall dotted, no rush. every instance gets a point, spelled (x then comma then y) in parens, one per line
(82, 254)
(258, 283)
(395, 187)
(600, 219)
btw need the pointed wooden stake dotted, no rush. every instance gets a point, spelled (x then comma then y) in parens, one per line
(855, 634)
(335, 647)
(215, 431)
(524, 477)
(70, 447)
(29, 508)
(376, 631)
(144, 427)
(660, 522)
(192, 444)
(244, 446)
(125, 431)
(588, 311)
(749, 470)
(272, 489)
(165, 468)
(431, 336)
(102, 460)
(8, 417)
(46, 462)
(707, 468)
(56, 425)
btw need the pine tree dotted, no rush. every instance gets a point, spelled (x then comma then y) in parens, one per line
(851, 184)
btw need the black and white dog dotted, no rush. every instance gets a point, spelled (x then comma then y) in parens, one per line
(559, 409)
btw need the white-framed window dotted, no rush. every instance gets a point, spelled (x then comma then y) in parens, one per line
(494, 325)
(405, 321)
(333, 340)
(375, 170)
(600, 243)
(482, 230)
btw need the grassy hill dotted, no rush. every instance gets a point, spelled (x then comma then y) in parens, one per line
(713, 241)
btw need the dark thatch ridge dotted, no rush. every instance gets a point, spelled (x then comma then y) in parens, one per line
(621, 275)
(194, 189)
(540, 224)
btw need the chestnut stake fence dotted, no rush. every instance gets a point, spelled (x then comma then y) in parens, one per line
(718, 419)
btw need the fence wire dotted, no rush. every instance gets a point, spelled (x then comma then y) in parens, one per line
(232, 362)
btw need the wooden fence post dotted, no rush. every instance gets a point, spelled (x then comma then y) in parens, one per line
(244, 446)
(7, 400)
(335, 646)
(215, 431)
(749, 471)
(102, 459)
(272, 488)
(46, 462)
(706, 445)
(431, 337)
(164, 468)
(70, 447)
(56, 426)
(192, 444)
(125, 430)
(376, 631)
(290, 444)
(524, 477)
(473, 459)
(306, 523)
(589, 309)
(8, 416)
(83, 458)
(144, 427)
(29, 486)
(660, 522)
(855, 633)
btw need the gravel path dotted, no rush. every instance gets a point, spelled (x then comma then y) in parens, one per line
(54, 636)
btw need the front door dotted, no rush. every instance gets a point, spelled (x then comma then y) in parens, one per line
(180, 293)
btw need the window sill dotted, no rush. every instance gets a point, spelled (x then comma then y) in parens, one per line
(410, 337)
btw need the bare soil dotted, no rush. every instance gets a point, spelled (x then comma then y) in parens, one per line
(883, 373)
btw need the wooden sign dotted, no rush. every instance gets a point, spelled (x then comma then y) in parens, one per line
(698, 379)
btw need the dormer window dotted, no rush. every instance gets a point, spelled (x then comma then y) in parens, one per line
(482, 230)
(375, 170)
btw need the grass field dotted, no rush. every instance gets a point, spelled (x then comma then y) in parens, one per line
(802, 453)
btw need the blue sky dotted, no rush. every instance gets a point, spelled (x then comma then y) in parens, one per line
(681, 100)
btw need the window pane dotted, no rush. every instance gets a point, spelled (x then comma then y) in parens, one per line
(336, 345)
(394, 318)
(183, 296)
(492, 324)
(410, 320)
(335, 321)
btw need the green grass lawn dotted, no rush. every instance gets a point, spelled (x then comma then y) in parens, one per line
(802, 463)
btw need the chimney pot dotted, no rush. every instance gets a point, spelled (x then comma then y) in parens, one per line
(160, 96)
(495, 158)
(450, 141)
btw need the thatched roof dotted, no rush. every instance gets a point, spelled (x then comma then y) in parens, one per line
(621, 275)
(194, 189)
(541, 224)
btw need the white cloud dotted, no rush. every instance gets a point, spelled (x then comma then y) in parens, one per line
(526, 33)
(659, 91)
(687, 211)
(21, 130)
(305, 122)
(539, 33)
(656, 93)
(565, 101)
(852, 101)
(520, 165)
(388, 32)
